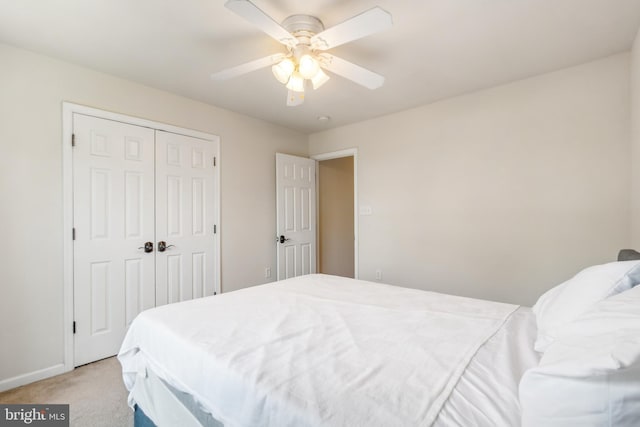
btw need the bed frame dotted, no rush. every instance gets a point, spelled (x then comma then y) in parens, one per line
(167, 403)
(140, 419)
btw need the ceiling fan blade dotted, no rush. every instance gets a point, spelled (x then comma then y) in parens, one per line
(295, 98)
(372, 21)
(351, 71)
(250, 12)
(248, 67)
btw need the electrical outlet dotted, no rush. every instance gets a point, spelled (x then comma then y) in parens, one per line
(267, 272)
(378, 274)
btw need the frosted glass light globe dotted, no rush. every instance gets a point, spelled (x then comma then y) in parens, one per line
(296, 82)
(308, 66)
(319, 79)
(283, 70)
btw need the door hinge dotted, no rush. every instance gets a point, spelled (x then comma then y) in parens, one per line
(74, 326)
(214, 162)
(73, 139)
(215, 228)
(73, 234)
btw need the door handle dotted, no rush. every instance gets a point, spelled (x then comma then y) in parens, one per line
(148, 247)
(162, 246)
(282, 239)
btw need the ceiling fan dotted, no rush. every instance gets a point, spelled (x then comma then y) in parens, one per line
(307, 41)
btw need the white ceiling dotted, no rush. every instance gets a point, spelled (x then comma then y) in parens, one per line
(436, 48)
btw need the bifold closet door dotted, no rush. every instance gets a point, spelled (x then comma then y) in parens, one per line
(185, 217)
(113, 214)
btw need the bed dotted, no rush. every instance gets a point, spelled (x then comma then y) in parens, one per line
(324, 350)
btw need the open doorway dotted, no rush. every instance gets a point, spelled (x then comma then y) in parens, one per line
(336, 214)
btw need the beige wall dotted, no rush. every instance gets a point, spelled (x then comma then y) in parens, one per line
(498, 194)
(335, 217)
(32, 88)
(635, 143)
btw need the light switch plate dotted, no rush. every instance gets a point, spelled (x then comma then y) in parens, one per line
(366, 210)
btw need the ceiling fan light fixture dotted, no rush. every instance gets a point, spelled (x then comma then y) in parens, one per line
(283, 70)
(296, 82)
(319, 79)
(308, 66)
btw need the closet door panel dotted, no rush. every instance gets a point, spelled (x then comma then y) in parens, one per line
(113, 214)
(185, 217)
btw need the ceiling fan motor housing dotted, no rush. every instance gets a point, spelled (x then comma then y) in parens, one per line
(303, 23)
(303, 27)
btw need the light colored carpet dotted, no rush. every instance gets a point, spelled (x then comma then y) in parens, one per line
(95, 393)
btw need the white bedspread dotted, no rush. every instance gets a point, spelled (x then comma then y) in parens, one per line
(314, 350)
(487, 393)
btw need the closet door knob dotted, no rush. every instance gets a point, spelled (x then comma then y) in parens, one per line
(148, 247)
(162, 246)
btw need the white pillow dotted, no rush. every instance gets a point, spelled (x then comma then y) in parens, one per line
(567, 301)
(590, 375)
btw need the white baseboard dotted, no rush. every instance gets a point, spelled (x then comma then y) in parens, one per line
(30, 377)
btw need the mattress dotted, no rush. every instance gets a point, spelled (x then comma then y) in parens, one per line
(321, 350)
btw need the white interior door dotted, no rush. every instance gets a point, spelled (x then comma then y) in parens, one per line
(185, 217)
(113, 214)
(296, 215)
